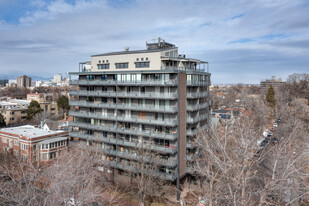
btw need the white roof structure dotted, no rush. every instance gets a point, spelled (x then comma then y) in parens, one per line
(29, 131)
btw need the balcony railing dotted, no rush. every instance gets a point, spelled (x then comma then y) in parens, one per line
(136, 169)
(194, 95)
(195, 131)
(149, 95)
(171, 68)
(170, 123)
(196, 83)
(133, 83)
(146, 145)
(197, 107)
(171, 162)
(192, 157)
(165, 109)
(197, 119)
(159, 135)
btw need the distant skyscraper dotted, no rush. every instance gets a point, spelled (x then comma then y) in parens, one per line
(23, 82)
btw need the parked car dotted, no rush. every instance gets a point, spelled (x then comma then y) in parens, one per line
(275, 125)
(274, 140)
(272, 129)
(264, 143)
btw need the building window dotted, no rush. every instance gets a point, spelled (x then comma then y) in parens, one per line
(142, 64)
(44, 156)
(89, 77)
(137, 59)
(146, 58)
(12, 118)
(4, 140)
(24, 157)
(99, 61)
(52, 155)
(167, 54)
(12, 113)
(103, 61)
(24, 147)
(16, 152)
(103, 66)
(104, 77)
(16, 142)
(106, 61)
(42, 146)
(122, 65)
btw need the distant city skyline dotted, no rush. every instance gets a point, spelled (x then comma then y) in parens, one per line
(243, 42)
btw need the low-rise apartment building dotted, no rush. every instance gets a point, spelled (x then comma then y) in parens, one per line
(14, 112)
(47, 106)
(32, 143)
(154, 99)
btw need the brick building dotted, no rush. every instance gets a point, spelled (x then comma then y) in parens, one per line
(32, 143)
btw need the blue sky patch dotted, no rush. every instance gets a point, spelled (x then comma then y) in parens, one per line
(244, 40)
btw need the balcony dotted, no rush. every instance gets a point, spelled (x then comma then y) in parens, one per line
(135, 131)
(136, 168)
(191, 120)
(165, 109)
(147, 145)
(147, 95)
(195, 95)
(195, 131)
(196, 83)
(197, 107)
(130, 83)
(171, 162)
(192, 157)
(171, 68)
(171, 123)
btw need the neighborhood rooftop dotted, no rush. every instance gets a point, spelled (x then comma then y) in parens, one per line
(29, 131)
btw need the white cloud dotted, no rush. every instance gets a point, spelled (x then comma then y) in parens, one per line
(68, 33)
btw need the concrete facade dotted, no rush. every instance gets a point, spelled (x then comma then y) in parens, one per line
(154, 98)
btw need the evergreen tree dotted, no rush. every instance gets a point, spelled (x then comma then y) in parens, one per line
(33, 109)
(270, 97)
(63, 104)
(2, 121)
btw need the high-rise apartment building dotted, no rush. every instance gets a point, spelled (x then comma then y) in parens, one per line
(24, 82)
(151, 100)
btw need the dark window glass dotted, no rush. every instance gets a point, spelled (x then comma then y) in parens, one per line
(122, 65)
(142, 64)
(103, 66)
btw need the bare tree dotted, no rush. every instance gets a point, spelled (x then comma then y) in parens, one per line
(42, 117)
(18, 182)
(238, 172)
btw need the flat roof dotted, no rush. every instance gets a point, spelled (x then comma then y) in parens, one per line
(135, 51)
(29, 131)
(19, 101)
(7, 104)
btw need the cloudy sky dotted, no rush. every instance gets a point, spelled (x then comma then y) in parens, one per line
(244, 41)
